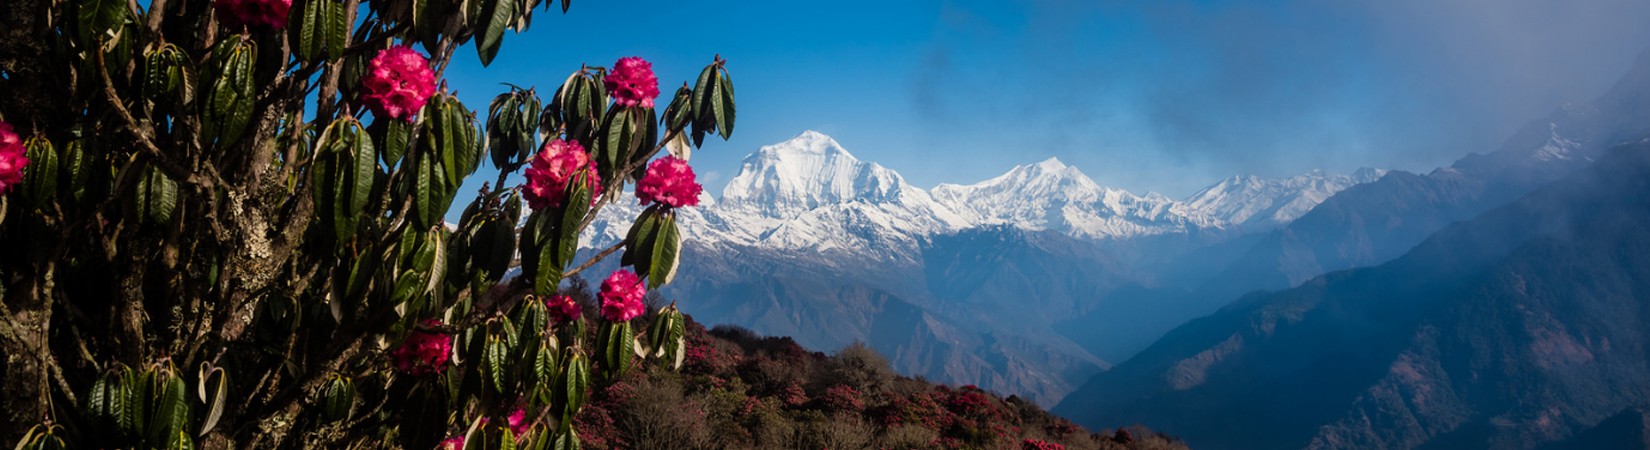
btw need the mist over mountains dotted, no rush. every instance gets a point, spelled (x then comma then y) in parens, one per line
(1512, 317)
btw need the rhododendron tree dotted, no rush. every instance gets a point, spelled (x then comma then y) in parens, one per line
(223, 225)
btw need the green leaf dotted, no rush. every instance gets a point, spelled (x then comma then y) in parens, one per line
(312, 29)
(666, 250)
(676, 345)
(616, 144)
(503, 12)
(703, 116)
(172, 417)
(180, 441)
(76, 171)
(638, 239)
(680, 110)
(157, 197)
(618, 349)
(365, 169)
(570, 387)
(229, 105)
(568, 438)
(393, 137)
(724, 107)
(40, 175)
(338, 33)
(337, 398)
(428, 17)
(422, 196)
(99, 18)
(544, 361)
(493, 358)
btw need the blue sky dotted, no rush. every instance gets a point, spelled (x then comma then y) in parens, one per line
(1146, 95)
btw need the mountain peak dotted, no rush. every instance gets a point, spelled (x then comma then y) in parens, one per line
(807, 171)
(808, 142)
(1051, 164)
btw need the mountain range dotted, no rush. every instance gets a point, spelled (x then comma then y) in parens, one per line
(1501, 304)
(1523, 326)
(959, 283)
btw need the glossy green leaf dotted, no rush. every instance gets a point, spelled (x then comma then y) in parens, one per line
(75, 174)
(725, 110)
(338, 33)
(156, 197)
(494, 358)
(502, 13)
(337, 398)
(570, 387)
(311, 29)
(230, 100)
(567, 439)
(665, 252)
(99, 18)
(40, 175)
(172, 415)
(393, 137)
(703, 116)
(618, 349)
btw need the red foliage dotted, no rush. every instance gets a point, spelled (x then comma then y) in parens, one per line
(842, 398)
(1033, 444)
(794, 395)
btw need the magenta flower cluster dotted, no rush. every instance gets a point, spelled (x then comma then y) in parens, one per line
(270, 14)
(621, 296)
(563, 309)
(423, 352)
(553, 168)
(13, 156)
(632, 82)
(452, 443)
(397, 83)
(669, 181)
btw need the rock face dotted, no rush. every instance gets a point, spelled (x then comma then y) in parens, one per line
(961, 283)
(1528, 324)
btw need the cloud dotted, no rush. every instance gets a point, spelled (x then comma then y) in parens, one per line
(1279, 86)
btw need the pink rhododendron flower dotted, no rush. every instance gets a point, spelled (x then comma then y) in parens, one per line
(551, 170)
(423, 352)
(563, 308)
(452, 443)
(632, 82)
(669, 181)
(13, 156)
(397, 83)
(253, 13)
(621, 296)
(518, 422)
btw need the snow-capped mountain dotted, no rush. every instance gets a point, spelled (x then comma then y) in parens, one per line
(1052, 196)
(1250, 202)
(809, 193)
(809, 241)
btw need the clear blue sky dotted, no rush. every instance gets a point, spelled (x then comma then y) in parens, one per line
(1146, 95)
